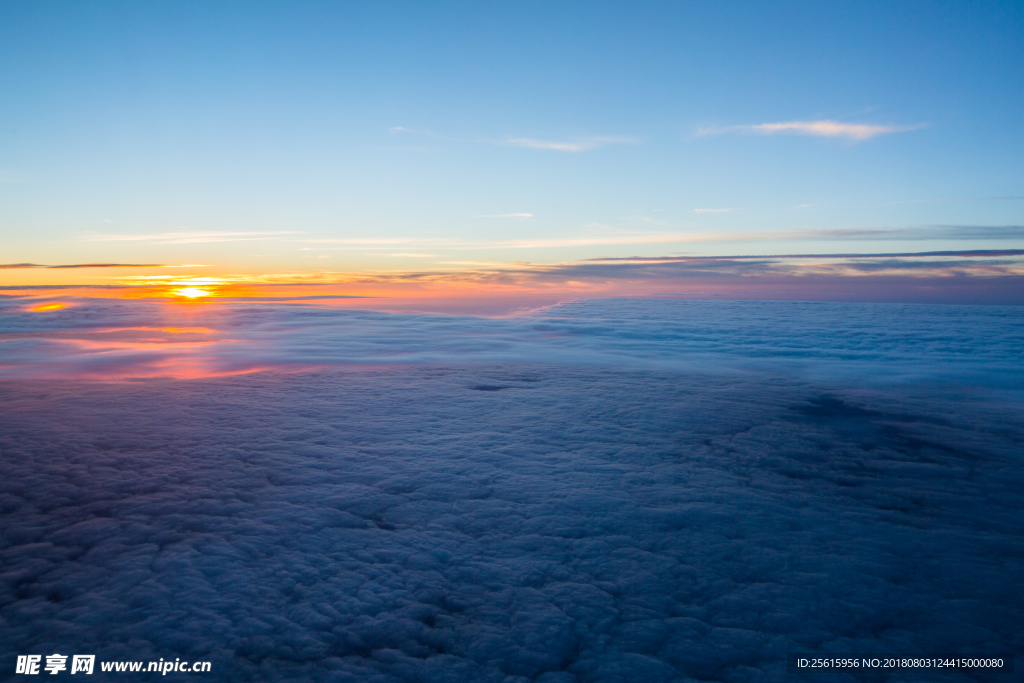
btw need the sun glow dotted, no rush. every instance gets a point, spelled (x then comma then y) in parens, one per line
(191, 292)
(48, 307)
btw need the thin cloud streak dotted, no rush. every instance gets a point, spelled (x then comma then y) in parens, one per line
(1010, 198)
(576, 145)
(822, 128)
(977, 253)
(9, 266)
(927, 232)
(636, 238)
(190, 237)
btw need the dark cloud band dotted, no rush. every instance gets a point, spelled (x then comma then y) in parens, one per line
(977, 253)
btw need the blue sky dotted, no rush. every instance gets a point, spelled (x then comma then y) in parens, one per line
(349, 137)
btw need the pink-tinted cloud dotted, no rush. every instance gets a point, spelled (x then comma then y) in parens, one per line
(821, 128)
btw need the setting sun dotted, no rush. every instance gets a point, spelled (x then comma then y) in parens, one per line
(191, 292)
(48, 307)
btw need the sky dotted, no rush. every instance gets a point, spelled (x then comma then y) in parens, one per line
(518, 342)
(480, 147)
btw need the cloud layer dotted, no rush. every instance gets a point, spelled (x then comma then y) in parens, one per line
(871, 342)
(993, 276)
(600, 491)
(506, 523)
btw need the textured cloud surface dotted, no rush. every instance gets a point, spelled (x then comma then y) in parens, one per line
(653, 492)
(111, 338)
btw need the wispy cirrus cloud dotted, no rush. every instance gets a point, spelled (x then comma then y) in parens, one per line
(970, 253)
(189, 236)
(822, 128)
(1010, 198)
(923, 232)
(575, 145)
(505, 215)
(541, 242)
(608, 236)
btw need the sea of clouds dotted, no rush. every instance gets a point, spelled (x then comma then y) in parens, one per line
(103, 338)
(600, 491)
